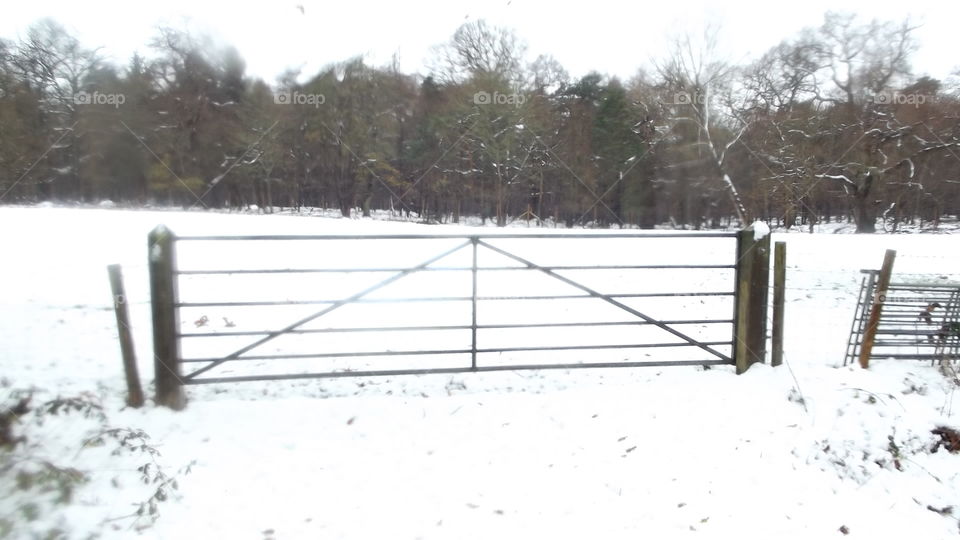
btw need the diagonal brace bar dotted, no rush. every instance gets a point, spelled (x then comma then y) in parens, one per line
(610, 300)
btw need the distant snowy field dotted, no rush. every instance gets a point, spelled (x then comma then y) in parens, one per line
(794, 452)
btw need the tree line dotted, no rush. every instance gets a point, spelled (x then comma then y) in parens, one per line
(829, 125)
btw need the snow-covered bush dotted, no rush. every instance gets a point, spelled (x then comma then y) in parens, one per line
(60, 455)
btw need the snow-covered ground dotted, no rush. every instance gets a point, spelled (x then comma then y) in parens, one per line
(800, 451)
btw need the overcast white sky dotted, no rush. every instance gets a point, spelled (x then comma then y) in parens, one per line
(610, 36)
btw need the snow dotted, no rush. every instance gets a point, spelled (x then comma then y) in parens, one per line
(760, 230)
(792, 452)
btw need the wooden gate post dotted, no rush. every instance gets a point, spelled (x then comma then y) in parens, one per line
(166, 324)
(876, 310)
(750, 320)
(779, 292)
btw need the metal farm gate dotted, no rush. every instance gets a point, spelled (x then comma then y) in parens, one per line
(245, 308)
(919, 320)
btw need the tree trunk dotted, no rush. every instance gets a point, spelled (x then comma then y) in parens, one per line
(501, 218)
(863, 211)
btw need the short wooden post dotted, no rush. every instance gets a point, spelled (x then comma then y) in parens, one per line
(879, 298)
(163, 300)
(750, 320)
(779, 291)
(134, 390)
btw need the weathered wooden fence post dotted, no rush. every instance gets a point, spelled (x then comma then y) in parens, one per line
(166, 325)
(879, 298)
(753, 276)
(134, 390)
(779, 292)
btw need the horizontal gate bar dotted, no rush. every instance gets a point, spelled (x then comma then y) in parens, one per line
(445, 299)
(330, 330)
(912, 307)
(453, 269)
(916, 344)
(458, 351)
(913, 313)
(440, 371)
(938, 294)
(452, 327)
(909, 331)
(896, 356)
(925, 286)
(934, 343)
(272, 237)
(901, 320)
(307, 356)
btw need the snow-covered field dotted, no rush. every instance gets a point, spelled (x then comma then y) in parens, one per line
(800, 451)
